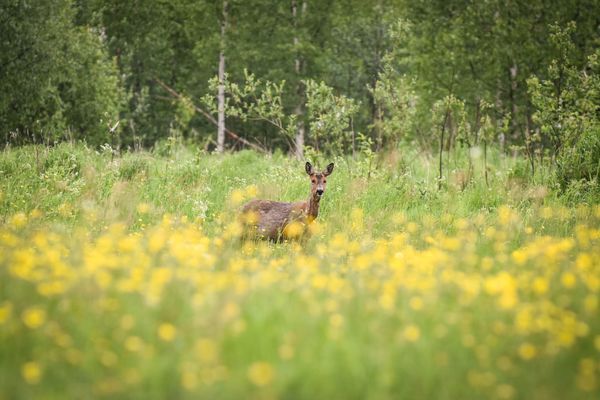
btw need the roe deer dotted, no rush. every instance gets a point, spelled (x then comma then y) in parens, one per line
(269, 219)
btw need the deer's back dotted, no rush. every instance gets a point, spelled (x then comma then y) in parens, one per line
(269, 218)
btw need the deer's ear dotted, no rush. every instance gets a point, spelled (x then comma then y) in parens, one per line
(329, 170)
(309, 168)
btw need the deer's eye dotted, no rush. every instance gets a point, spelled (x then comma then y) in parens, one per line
(324, 181)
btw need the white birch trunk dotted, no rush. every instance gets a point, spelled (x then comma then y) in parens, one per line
(221, 90)
(298, 63)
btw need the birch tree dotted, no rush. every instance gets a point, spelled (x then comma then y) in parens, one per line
(221, 91)
(298, 69)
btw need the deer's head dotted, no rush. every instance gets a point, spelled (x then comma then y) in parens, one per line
(318, 180)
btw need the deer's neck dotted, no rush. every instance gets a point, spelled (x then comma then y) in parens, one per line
(313, 208)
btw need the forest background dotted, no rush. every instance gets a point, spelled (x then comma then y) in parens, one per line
(329, 76)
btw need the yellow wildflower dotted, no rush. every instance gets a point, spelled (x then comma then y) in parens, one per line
(527, 351)
(568, 280)
(167, 332)
(540, 285)
(134, 344)
(206, 350)
(411, 333)
(505, 391)
(261, 373)
(31, 372)
(18, 220)
(237, 197)
(189, 380)
(34, 317)
(143, 208)
(293, 230)
(316, 228)
(520, 256)
(416, 303)
(584, 261)
(251, 191)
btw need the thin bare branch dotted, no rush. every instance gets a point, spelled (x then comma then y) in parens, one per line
(212, 119)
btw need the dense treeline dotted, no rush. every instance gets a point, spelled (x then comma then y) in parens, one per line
(357, 73)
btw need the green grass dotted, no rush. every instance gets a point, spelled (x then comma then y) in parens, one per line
(65, 180)
(406, 291)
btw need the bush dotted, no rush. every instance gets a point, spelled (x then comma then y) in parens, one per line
(91, 93)
(581, 164)
(568, 113)
(132, 167)
(63, 161)
(57, 79)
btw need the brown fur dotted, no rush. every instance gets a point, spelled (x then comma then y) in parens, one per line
(268, 219)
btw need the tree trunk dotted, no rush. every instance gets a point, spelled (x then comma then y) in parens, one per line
(451, 126)
(513, 100)
(529, 144)
(477, 120)
(221, 90)
(499, 106)
(377, 113)
(441, 162)
(485, 171)
(298, 69)
(299, 141)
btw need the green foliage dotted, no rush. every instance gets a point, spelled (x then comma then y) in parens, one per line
(448, 119)
(184, 112)
(567, 111)
(90, 71)
(393, 93)
(57, 79)
(93, 96)
(328, 115)
(63, 162)
(31, 60)
(397, 100)
(367, 155)
(254, 100)
(133, 167)
(581, 162)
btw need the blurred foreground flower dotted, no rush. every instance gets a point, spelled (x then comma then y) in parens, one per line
(167, 332)
(31, 372)
(411, 333)
(261, 373)
(34, 317)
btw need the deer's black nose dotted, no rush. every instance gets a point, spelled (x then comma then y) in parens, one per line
(320, 192)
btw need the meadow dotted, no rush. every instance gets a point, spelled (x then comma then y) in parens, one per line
(122, 276)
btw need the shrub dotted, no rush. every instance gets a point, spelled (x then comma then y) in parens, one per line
(582, 161)
(567, 112)
(132, 167)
